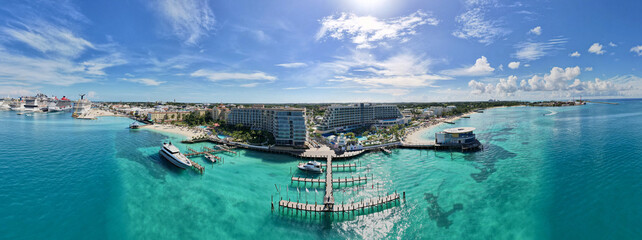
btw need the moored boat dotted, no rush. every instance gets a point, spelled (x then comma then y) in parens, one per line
(134, 125)
(173, 155)
(311, 166)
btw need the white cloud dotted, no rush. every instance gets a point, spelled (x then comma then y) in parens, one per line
(293, 88)
(144, 81)
(363, 71)
(637, 50)
(558, 80)
(480, 68)
(596, 48)
(48, 38)
(248, 85)
(96, 66)
(575, 54)
(612, 44)
(537, 30)
(530, 51)
(189, 20)
(366, 31)
(513, 65)
(588, 69)
(292, 65)
(505, 86)
(91, 94)
(389, 91)
(473, 24)
(527, 65)
(220, 76)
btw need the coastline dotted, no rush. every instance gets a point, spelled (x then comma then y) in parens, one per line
(189, 133)
(415, 137)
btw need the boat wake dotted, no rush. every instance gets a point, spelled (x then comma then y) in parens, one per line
(551, 113)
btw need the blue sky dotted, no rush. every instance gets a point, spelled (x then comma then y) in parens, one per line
(321, 51)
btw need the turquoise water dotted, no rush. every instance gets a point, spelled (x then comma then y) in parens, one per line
(545, 173)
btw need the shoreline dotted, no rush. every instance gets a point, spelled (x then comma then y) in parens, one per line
(415, 137)
(189, 133)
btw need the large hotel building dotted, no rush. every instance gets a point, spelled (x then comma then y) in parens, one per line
(346, 117)
(286, 124)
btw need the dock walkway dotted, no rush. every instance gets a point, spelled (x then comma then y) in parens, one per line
(348, 207)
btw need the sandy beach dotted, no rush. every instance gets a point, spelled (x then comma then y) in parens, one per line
(184, 131)
(415, 137)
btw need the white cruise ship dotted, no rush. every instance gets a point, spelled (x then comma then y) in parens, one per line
(82, 106)
(172, 154)
(5, 104)
(17, 105)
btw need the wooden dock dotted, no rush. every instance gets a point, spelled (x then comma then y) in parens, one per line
(345, 180)
(196, 166)
(340, 166)
(348, 207)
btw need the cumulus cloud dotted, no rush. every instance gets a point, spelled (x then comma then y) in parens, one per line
(367, 31)
(190, 20)
(596, 48)
(215, 76)
(575, 54)
(637, 50)
(558, 79)
(473, 24)
(480, 68)
(530, 51)
(144, 81)
(536, 30)
(513, 65)
(612, 44)
(292, 65)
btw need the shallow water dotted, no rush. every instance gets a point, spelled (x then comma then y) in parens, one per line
(574, 174)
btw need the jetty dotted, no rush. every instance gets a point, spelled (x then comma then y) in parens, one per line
(329, 205)
(197, 166)
(386, 150)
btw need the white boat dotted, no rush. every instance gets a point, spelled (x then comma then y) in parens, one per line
(311, 166)
(134, 125)
(172, 154)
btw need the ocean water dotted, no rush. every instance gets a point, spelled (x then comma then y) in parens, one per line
(545, 173)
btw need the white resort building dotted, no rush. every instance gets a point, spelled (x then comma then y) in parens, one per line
(346, 117)
(457, 137)
(286, 124)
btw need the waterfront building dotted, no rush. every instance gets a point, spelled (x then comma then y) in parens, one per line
(457, 137)
(166, 116)
(288, 125)
(346, 117)
(220, 113)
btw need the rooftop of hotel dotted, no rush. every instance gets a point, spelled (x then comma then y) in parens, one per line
(459, 130)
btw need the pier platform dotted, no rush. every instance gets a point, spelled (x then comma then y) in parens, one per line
(348, 207)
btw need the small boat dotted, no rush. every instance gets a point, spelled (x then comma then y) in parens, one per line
(134, 125)
(311, 166)
(173, 155)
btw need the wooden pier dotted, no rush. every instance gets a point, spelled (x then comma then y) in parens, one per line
(196, 166)
(340, 166)
(345, 180)
(348, 207)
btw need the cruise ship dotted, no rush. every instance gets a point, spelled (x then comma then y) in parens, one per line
(81, 107)
(17, 105)
(59, 105)
(172, 154)
(5, 104)
(36, 104)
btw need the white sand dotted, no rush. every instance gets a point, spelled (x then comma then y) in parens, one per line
(184, 131)
(415, 137)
